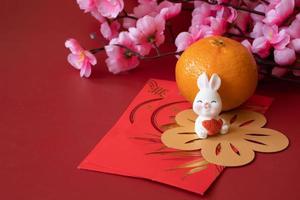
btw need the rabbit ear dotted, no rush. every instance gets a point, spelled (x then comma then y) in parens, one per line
(202, 81)
(214, 82)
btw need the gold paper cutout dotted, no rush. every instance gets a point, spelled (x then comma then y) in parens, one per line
(236, 148)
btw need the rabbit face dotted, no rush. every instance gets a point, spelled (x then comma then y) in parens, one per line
(208, 102)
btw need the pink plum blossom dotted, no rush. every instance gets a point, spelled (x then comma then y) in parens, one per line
(280, 12)
(166, 9)
(207, 20)
(169, 10)
(102, 8)
(284, 56)
(183, 40)
(246, 44)
(98, 16)
(295, 43)
(257, 30)
(261, 46)
(200, 16)
(270, 37)
(242, 21)
(87, 5)
(218, 26)
(119, 58)
(233, 15)
(110, 8)
(149, 32)
(228, 14)
(110, 31)
(145, 8)
(276, 32)
(80, 58)
(294, 28)
(91, 6)
(278, 39)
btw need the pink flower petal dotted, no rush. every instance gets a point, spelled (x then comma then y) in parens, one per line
(110, 8)
(86, 70)
(110, 31)
(283, 39)
(247, 44)
(284, 56)
(74, 46)
(281, 11)
(75, 60)
(269, 31)
(296, 45)
(146, 25)
(105, 30)
(86, 5)
(118, 59)
(98, 16)
(183, 40)
(257, 30)
(90, 57)
(261, 46)
(148, 30)
(168, 10)
(116, 66)
(145, 8)
(218, 26)
(294, 29)
(233, 15)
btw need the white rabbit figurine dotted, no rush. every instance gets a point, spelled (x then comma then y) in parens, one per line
(208, 105)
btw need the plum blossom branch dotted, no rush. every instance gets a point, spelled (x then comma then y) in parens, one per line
(126, 15)
(239, 36)
(134, 53)
(94, 51)
(159, 55)
(269, 30)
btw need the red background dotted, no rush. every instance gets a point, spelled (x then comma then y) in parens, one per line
(50, 118)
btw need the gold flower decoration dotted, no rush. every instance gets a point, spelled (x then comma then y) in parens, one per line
(235, 148)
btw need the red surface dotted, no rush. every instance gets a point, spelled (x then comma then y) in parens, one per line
(51, 118)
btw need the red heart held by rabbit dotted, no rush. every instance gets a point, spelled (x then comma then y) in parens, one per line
(213, 126)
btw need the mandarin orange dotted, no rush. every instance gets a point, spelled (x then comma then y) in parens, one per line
(229, 59)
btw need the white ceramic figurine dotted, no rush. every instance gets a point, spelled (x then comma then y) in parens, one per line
(208, 105)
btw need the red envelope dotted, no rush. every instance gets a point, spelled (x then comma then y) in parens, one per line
(133, 146)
